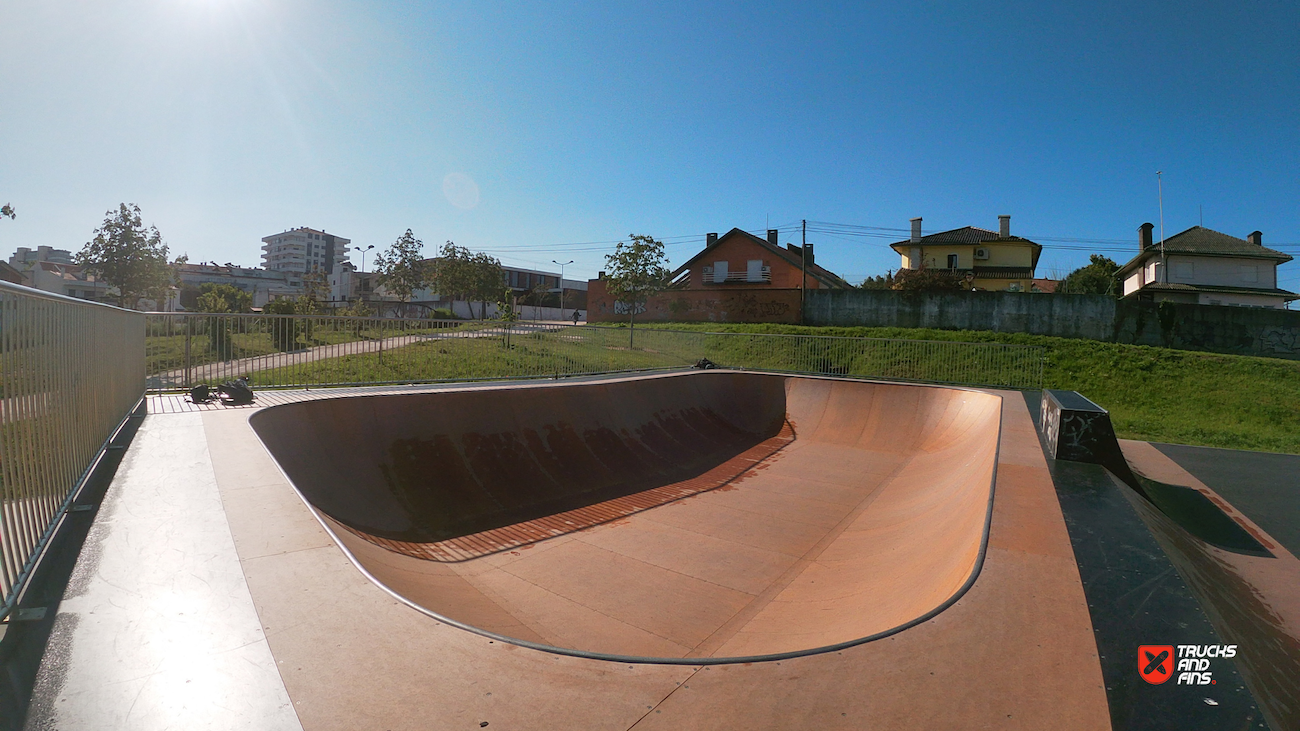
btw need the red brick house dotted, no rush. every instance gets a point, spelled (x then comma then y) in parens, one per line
(739, 259)
(737, 277)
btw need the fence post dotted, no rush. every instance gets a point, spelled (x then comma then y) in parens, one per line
(186, 321)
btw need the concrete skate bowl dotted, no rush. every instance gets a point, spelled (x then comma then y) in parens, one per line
(701, 517)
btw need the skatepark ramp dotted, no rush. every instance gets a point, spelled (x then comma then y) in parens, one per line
(688, 517)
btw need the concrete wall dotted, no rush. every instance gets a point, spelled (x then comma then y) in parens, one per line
(1219, 329)
(1064, 315)
(756, 304)
(1239, 330)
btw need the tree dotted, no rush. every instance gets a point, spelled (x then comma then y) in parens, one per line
(488, 281)
(1098, 277)
(452, 272)
(220, 298)
(928, 280)
(461, 274)
(883, 281)
(316, 287)
(284, 330)
(128, 256)
(635, 271)
(401, 267)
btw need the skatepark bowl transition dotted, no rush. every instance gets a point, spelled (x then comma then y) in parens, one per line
(743, 515)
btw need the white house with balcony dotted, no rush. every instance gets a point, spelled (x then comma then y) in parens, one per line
(1202, 266)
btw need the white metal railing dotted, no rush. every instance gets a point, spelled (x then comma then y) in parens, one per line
(185, 350)
(71, 372)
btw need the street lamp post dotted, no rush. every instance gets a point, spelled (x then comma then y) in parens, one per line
(363, 257)
(562, 266)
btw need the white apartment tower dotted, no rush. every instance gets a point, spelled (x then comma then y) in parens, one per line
(301, 250)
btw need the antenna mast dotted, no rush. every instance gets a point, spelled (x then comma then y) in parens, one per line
(1164, 264)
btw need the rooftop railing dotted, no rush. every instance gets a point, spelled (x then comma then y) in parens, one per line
(71, 372)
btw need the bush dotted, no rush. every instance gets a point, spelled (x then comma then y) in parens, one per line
(284, 330)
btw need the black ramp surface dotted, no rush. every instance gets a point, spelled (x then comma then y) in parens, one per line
(1137, 597)
(1262, 485)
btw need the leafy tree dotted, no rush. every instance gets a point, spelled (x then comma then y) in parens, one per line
(452, 272)
(223, 298)
(401, 267)
(928, 280)
(506, 312)
(635, 271)
(128, 256)
(284, 330)
(883, 281)
(488, 281)
(461, 274)
(1098, 277)
(315, 291)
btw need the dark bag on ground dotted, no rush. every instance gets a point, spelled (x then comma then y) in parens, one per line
(236, 393)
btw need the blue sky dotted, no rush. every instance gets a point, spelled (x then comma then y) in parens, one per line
(539, 133)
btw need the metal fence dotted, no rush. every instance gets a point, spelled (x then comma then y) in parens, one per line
(184, 350)
(70, 373)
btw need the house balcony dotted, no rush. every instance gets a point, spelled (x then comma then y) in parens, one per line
(763, 276)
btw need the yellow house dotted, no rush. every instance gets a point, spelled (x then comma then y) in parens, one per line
(987, 260)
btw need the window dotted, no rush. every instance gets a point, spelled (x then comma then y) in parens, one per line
(754, 270)
(1249, 272)
(1184, 270)
(719, 271)
(952, 261)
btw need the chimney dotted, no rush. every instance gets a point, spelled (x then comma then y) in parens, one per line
(710, 239)
(1004, 227)
(1256, 238)
(1144, 236)
(916, 229)
(808, 255)
(772, 237)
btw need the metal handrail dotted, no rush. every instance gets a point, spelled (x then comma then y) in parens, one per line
(71, 372)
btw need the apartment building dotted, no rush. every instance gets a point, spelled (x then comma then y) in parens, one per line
(301, 250)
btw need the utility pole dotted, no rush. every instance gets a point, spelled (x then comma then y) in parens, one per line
(803, 270)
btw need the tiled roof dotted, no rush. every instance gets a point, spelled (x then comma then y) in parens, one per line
(963, 235)
(1200, 240)
(1211, 288)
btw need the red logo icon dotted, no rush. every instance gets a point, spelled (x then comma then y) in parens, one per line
(1156, 663)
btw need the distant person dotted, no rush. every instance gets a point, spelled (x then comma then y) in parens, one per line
(575, 317)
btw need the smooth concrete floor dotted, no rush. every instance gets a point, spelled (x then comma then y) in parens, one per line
(1016, 651)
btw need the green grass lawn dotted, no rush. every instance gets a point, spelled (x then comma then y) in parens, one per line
(462, 358)
(1153, 394)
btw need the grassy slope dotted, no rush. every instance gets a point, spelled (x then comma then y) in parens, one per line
(1154, 394)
